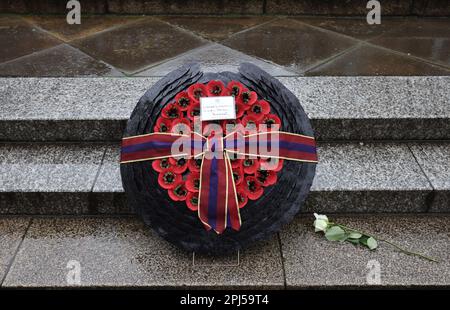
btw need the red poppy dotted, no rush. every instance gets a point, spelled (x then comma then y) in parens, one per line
(247, 98)
(162, 125)
(266, 177)
(182, 100)
(250, 123)
(240, 109)
(229, 122)
(179, 164)
(178, 192)
(238, 175)
(259, 109)
(252, 188)
(194, 164)
(168, 179)
(250, 165)
(171, 111)
(236, 162)
(161, 165)
(196, 91)
(181, 126)
(241, 196)
(192, 201)
(235, 88)
(193, 111)
(273, 164)
(193, 182)
(270, 120)
(216, 88)
(210, 129)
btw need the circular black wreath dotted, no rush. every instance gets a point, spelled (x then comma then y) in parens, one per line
(260, 218)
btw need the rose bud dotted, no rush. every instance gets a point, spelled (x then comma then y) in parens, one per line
(168, 179)
(178, 192)
(161, 165)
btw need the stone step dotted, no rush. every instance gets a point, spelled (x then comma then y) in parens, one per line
(235, 7)
(84, 178)
(341, 108)
(122, 252)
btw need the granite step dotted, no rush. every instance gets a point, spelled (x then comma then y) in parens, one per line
(341, 108)
(84, 178)
(121, 252)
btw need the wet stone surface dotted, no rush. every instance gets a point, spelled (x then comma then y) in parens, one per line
(138, 44)
(123, 253)
(18, 38)
(369, 60)
(216, 28)
(61, 60)
(312, 261)
(290, 43)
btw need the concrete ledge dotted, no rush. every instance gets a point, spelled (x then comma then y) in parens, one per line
(43, 178)
(341, 108)
(122, 252)
(312, 261)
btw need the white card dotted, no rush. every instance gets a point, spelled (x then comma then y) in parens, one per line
(217, 108)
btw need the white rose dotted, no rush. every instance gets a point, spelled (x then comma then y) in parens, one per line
(321, 222)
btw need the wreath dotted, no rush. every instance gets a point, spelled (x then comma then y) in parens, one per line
(165, 191)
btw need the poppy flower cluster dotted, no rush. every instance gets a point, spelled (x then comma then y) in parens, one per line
(181, 176)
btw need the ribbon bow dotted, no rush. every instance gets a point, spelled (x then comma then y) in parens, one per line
(218, 206)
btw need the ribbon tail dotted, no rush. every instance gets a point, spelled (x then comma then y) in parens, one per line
(212, 209)
(153, 146)
(233, 215)
(282, 145)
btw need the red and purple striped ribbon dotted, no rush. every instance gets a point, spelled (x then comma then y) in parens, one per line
(218, 205)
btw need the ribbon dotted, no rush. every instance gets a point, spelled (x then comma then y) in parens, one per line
(218, 206)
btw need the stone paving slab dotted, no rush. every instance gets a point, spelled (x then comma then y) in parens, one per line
(121, 252)
(12, 231)
(383, 177)
(312, 261)
(42, 178)
(62, 60)
(434, 159)
(341, 108)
